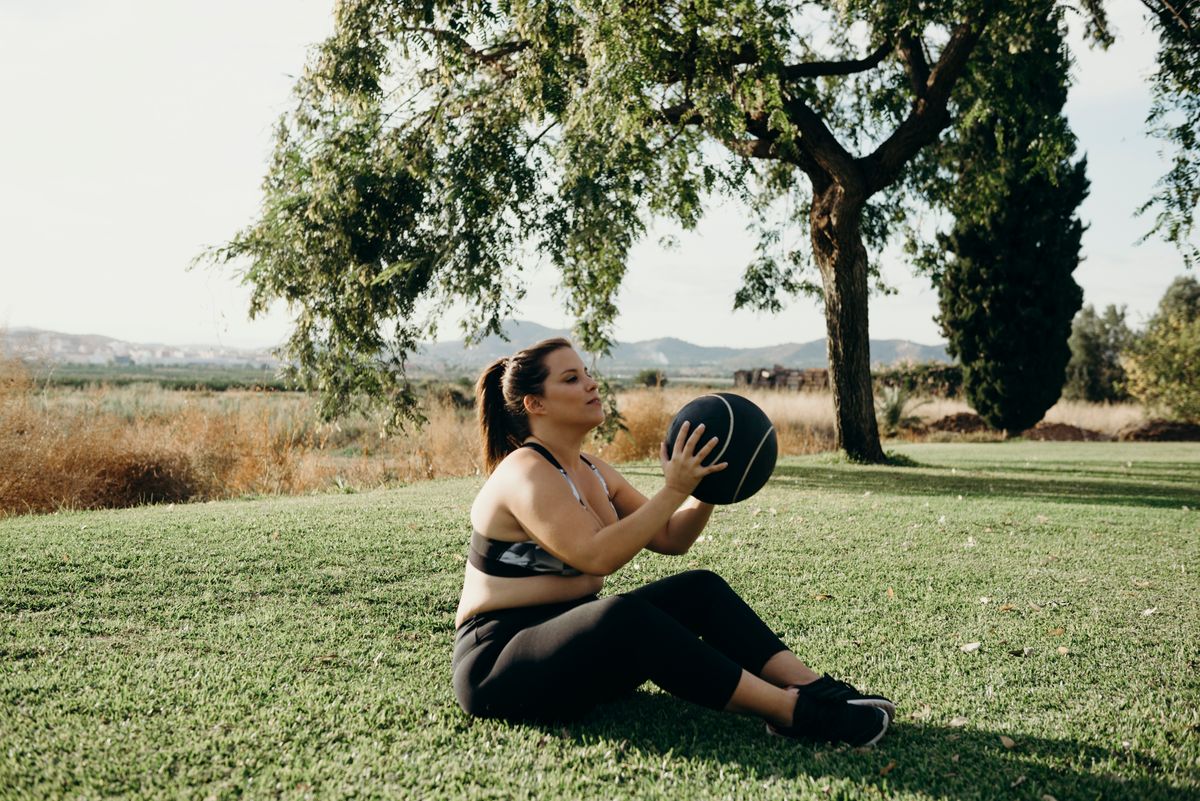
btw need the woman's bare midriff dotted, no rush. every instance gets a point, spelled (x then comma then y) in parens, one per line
(484, 593)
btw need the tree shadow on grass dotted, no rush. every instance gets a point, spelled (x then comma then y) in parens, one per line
(922, 759)
(1066, 489)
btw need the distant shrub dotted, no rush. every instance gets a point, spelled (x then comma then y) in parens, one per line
(1094, 372)
(892, 409)
(1164, 363)
(930, 379)
(650, 378)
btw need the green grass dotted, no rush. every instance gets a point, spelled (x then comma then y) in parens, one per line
(300, 647)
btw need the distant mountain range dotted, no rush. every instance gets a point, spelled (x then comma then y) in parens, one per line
(52, 346)
(674, 356)
(668, 353)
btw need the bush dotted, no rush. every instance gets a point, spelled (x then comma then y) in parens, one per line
(650, 378)
(1163, 362)
(892, 411)
(1095, 373)
(934, 379)
(1164, 366)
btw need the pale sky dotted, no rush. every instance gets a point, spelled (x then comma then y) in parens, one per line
(137, 133)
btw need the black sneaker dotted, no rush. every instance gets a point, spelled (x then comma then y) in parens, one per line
(827, 688)
(834, 721)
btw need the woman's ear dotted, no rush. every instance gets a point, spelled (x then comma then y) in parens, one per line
(533, 405)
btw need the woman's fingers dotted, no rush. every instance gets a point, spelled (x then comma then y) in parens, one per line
(694, 440)
(708, 446)
(681, 438)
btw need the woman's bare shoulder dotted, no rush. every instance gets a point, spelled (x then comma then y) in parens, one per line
(521, 463)
(518, 469)
(491, 508)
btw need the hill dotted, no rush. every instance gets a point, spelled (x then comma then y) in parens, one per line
(669, 353)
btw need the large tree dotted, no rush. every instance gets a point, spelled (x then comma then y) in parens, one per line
(440, 146)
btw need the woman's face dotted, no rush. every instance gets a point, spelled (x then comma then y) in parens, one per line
(569, 394)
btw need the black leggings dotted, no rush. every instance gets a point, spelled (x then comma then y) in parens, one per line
(690, 634)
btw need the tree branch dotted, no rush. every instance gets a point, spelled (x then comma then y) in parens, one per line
(929, 115)
(739, 53)
(798, 155)
(1167, 12)
(752, 148)
(486, 56)
(814, 69)
(912, 53)
(681, 114)
(819, 143)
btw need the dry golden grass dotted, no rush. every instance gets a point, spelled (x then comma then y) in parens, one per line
(114, 447)
(803, 421)
(106, 447)
(1107, 418)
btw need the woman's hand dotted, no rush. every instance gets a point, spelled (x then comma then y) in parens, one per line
(682, 468)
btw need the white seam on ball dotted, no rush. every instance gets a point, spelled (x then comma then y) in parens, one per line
(729, 438)
(753, 458)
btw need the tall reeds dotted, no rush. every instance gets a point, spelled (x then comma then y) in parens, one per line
(65, 448)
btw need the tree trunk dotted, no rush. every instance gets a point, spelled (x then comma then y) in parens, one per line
(836, 229)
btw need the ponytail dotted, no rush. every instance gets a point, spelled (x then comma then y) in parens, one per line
(500, 398)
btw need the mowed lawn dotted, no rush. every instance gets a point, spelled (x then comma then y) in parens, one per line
(300, 647)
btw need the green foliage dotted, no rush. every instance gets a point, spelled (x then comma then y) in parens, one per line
(651, 377)
(1094, 372)
(185, 376)
(1175, 119)
(1006, 295)
(930, 378)
(1164, 360)
(1181, 299)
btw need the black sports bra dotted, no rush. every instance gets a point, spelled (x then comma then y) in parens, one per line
(526, 558)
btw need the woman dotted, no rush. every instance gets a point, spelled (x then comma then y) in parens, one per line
(535, 641)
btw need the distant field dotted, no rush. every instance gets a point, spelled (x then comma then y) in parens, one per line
(167, 376)
(300, 647)
(219, 378)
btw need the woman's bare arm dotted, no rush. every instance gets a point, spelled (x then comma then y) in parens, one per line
(682, 527)
(555, 519)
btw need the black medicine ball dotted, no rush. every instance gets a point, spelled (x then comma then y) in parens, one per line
(747, 442)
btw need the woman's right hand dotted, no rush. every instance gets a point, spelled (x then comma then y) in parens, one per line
(682, 468)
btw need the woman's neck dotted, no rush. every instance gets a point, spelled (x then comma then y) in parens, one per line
(565, 444)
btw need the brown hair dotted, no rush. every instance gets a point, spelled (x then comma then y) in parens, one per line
(500, 393)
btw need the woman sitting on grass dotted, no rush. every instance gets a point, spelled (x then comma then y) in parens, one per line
(535, 640)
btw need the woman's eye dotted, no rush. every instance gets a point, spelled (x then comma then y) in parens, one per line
(572, 378)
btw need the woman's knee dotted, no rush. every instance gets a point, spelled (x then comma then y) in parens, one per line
(704, 580)
(618, 610)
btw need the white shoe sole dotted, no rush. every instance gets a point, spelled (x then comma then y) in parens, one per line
(886, 722)
(886, 706)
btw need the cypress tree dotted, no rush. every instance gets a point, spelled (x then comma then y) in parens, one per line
(1006, 294)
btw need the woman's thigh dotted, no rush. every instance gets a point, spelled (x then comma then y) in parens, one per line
(599, 651)
(705, 604)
